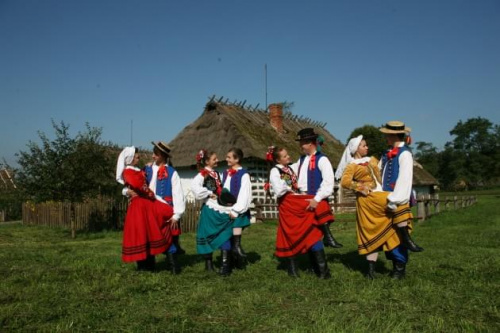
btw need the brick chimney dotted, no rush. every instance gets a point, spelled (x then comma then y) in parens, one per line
(276, 116)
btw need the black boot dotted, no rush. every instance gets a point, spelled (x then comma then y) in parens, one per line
(371, 269)
(175, 240)
(320, 258)
(312, 260)
(209, 264)
(293, 270)
(147, 264)
(225, 268)
(399, 270)
(407, 241)
(328, 238)
(236, 248)
(172, 261)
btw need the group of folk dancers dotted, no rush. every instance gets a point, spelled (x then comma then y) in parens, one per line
(383, 189)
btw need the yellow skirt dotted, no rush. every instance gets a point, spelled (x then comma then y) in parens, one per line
(376, 227)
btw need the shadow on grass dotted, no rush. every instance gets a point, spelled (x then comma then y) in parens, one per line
(356, 262)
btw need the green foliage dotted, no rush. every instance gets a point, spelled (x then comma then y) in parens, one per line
(67, 168)
(375, 139)
(471, 160)
(54, 283)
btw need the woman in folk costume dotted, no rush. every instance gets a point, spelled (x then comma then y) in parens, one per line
(376, 228)
(169, 206)
(315, 177)
(396, 166)
(215, 227)
(143, 237)
(238, 189)
(299, 228)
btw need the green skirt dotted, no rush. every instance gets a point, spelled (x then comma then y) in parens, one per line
(214, 228)
(242, 221)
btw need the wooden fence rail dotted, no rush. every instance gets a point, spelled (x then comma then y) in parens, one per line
(109, 214)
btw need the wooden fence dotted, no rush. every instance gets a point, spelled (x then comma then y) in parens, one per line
(429, 205)
(109, 214)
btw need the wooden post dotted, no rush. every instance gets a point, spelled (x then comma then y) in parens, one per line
(421, 208)
(427, 198)
(437, 203)
(72, 217)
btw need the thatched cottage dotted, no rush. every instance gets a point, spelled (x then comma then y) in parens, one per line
(224, 125)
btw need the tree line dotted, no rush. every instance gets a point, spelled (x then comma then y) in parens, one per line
(82, 167)
(471, 160)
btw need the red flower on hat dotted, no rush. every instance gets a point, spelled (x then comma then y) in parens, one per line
(269, 154)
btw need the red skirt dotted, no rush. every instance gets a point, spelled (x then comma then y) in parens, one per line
(297, 229)
(143, 234)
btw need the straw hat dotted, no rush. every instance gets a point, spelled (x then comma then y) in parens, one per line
(395, 127)
(162, 146)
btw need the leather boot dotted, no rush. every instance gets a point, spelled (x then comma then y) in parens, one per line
(312, 260)
(209, 264)
(293, 270)
(371, 269)
(175, 240)
(225, 268)
(172, 261)
(147, 264)
(328, 238)
(407, 241)
(399, 270)
(323, 270)
(236, 248)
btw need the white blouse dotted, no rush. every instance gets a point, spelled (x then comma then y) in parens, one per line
(244, 197)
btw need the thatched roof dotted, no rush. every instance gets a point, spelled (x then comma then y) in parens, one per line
(7, 179)
(222, 126)
(422, 177)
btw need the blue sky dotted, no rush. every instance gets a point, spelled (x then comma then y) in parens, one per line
(347, 63)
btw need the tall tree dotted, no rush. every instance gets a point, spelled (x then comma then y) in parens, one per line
(67, 168)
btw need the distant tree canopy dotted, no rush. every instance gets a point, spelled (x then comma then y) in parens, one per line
(374, 139)
(67, 168)
(470, 160)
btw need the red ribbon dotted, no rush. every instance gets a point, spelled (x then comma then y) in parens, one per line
(312, 162)
(162, 172)
(393, 152)
(231, 172)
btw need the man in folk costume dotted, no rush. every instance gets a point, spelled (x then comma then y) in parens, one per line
(315, 177)
(164, 181)
(397, 177)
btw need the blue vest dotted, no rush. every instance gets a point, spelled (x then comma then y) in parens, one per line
(235, 181)
(163, 186)
(390, 170)
(314, 177)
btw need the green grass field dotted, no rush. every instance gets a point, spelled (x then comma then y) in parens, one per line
(50, 282)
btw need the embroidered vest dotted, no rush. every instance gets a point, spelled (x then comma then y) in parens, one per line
(235, 181)
(288, 179)
(163, 185)
(314, 176)
(210, 183)
(390, 170)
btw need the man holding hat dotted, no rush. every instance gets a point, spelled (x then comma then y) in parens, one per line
(315, 177)
(397, 177)
(164, 181)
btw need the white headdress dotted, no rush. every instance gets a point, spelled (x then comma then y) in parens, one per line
(125, 158)
(347, 156)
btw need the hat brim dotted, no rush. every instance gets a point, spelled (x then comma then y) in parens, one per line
(163, 150)
(391, 131)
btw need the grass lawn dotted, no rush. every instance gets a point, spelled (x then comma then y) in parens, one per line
(50, 282)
